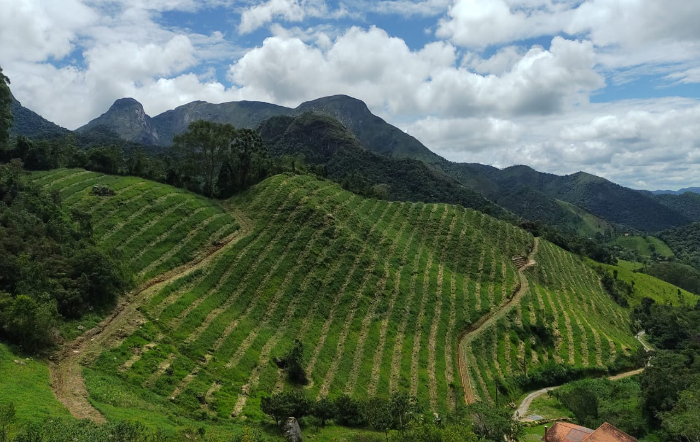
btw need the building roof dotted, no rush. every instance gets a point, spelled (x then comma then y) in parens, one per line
(608, 433)
(566, 432)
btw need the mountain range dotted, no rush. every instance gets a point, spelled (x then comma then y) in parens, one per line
(677, 192)
(341, 134)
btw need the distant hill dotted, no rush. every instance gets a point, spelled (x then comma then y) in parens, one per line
(684, 242)
(676, 192)
(322, 140)
(30, 124)
(687, 204)
(241, 114)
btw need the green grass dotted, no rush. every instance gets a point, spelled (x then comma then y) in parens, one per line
(585, 223)
(644, 245)
(150, 227)
(28, 386)
(549, 407)
(533, 434)
(646, 286)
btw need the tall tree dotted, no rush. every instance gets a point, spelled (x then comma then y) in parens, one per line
(203, 149)
(5, 110)
(217, 159)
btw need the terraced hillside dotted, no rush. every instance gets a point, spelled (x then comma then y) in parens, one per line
(376, 291)
(151, 227)
(564, 317)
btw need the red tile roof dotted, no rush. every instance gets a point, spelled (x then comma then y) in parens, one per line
(566, 432)
(608, 433)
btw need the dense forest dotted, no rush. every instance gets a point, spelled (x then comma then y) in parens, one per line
(50, 269)
(684, 241)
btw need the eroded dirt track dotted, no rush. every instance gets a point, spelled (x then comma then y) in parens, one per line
(485, 321)
(67, 380)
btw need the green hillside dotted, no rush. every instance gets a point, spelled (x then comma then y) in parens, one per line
(151, 227)
(320, 140)
(646, 286)
(644, 246)
(685, 243)
(564, 321)
(582, 222)
(377, 292)
(374, 290)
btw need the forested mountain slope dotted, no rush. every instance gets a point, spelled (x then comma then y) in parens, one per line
(319, 140)
(520, 189)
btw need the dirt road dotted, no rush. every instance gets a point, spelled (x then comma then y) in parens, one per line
(522, 411)
(65, 368)
(470, 333)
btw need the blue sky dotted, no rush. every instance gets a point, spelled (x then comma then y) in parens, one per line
(611, 87)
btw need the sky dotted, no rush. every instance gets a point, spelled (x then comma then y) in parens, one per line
(610, 87)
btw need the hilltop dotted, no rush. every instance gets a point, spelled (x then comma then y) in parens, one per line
(530, 194)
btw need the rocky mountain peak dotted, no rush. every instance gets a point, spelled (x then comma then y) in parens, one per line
(129, 120)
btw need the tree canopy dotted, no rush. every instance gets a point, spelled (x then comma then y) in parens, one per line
(218, 159)
(5, 110)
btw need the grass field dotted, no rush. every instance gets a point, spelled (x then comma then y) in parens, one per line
(150, 227)
(26, 384)
(644, 245)
(646, 286)
(584, 223)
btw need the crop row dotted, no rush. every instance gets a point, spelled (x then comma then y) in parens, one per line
(565, 317)
(151, 227)
(376, 292)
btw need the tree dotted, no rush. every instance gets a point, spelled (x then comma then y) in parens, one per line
(5, 111)
(404, 409)
(287, 404)
(682, 422)
(275, 406)
(217, 159)
(494, 423)
(324, 409)
(293, 362)
(348, 412)
(663, 381)
(203, 148)
(378, 414)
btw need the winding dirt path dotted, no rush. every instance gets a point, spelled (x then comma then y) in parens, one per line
(65, 366)
(491, 318)
(521, 413)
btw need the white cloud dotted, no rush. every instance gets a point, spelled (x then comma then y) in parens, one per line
(34, 30)
(687, 76)
(481, 23)
(499, 63)
(640, 143)
(259, 15)
(130, 61)
(385, 73)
